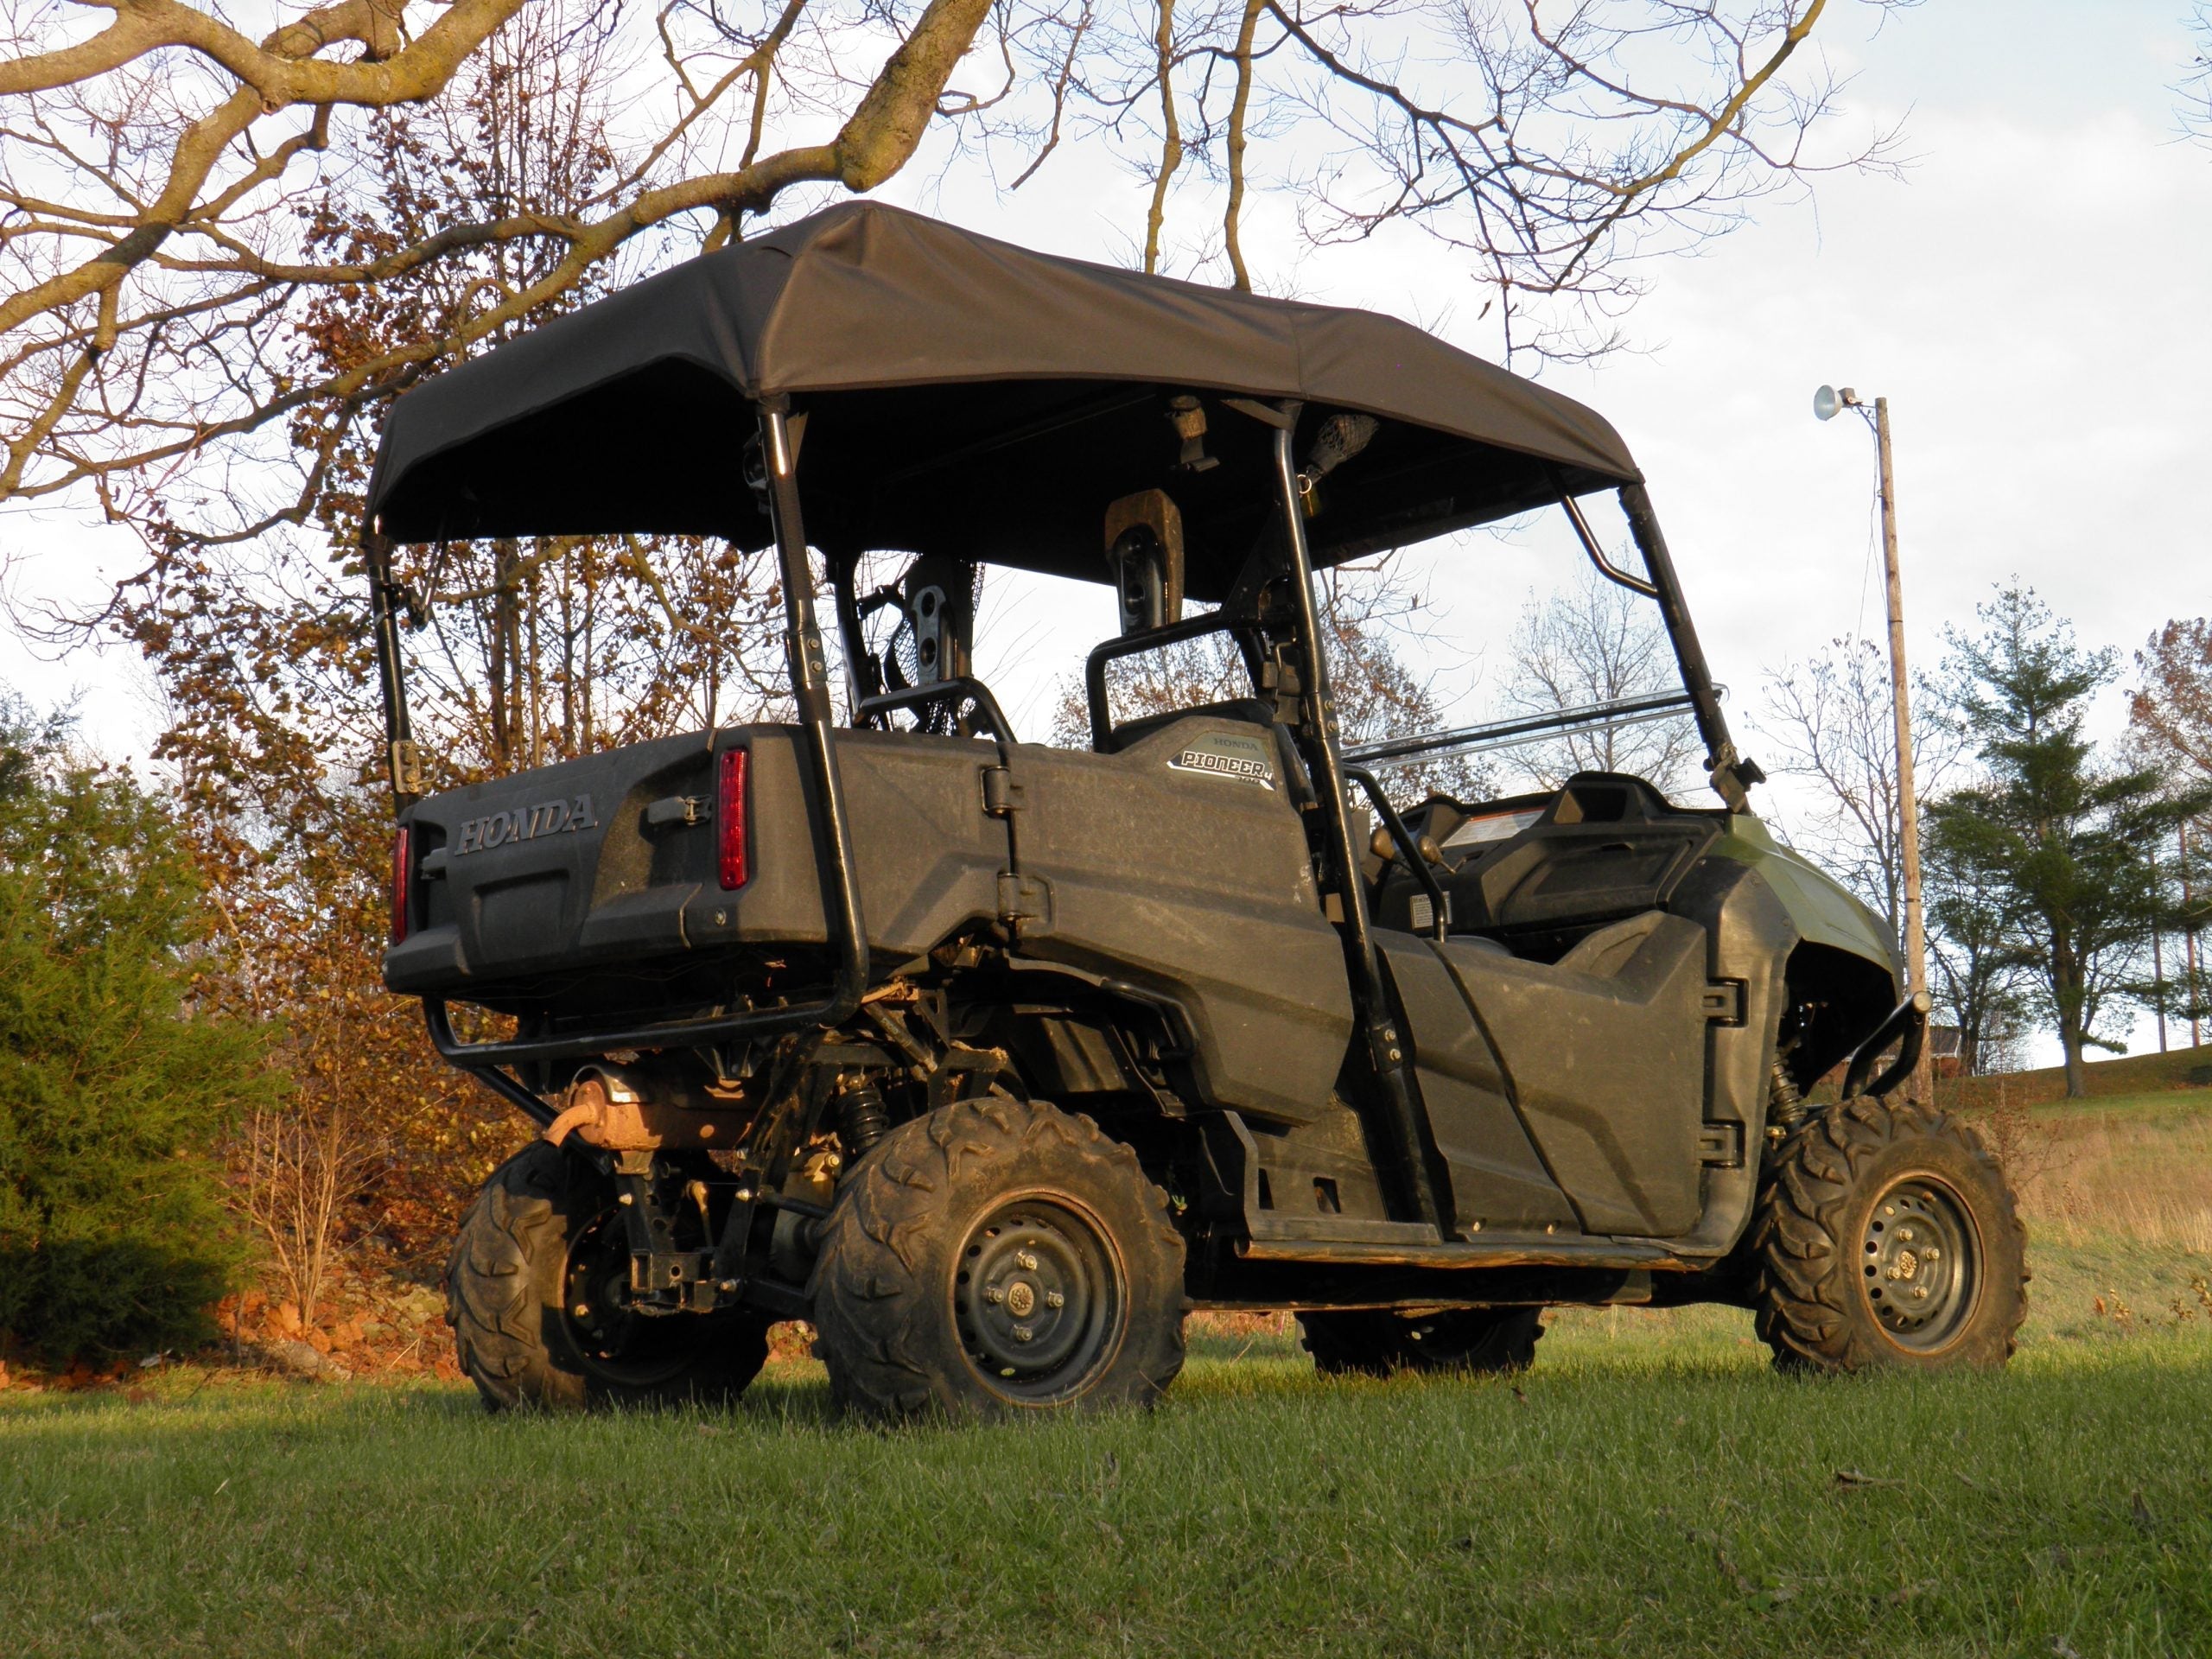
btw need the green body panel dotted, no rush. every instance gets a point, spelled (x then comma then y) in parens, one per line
(1826, 911)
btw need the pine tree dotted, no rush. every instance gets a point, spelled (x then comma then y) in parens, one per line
(114, 1095)
(2072, 843)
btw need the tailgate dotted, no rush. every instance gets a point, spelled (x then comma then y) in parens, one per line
(613, 859)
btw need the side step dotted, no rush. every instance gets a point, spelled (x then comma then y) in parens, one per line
(1412, 1244)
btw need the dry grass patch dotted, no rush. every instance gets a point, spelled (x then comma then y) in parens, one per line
(2137, 1167)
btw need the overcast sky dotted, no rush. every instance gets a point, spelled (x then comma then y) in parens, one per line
(2032, 297)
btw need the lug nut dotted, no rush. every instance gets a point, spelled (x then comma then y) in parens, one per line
(1022, 1333)
(993, 1294)
(1054, 1299)
(1024, 1259)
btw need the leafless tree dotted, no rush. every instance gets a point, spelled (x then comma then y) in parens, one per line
(1829, 722)
(2169, 728)
(1595, 642)
(302, 1164)
(2194, 88)
(164, 187)
(2171, 712)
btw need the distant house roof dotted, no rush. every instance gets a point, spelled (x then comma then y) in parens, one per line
(1944, 1042)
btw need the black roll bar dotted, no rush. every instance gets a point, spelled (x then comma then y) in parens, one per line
(386, 598)
(1131, 644)
(1388, 1047)
(964, 689)
(1606, 568)
(810, 682)
(1409, 849)
(1730, 774)
(1906, 1026)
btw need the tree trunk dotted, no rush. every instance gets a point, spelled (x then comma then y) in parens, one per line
(506, 664)
(2066, 988)
(2076, 1079)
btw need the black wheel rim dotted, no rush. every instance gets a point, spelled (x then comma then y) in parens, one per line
(616, 1344)
(1040, 1298)
(1922, 1263)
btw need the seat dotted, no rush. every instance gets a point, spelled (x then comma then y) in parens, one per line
(1131, 732)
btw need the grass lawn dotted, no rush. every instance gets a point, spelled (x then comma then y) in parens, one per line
(1649, 1488)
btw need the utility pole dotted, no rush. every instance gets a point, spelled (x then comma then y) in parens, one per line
(2189, 925)
(2158, 957)
(1826, 403)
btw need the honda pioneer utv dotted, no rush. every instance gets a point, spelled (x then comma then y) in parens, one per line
(992, 1058)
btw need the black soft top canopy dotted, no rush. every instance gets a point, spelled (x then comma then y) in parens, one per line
(963, 397)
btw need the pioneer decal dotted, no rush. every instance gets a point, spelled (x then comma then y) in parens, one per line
(1229, 754)
(527, 824)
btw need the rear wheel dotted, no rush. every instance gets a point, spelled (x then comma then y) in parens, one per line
(1376, 1342)
(993, 1258)
(1887, 1235)
(537, 1294)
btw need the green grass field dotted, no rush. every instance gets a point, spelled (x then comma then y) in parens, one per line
(1649, 1488)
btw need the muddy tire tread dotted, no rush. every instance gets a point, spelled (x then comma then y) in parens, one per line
(513, 1237)
(1802, 1291)
(891, 1228)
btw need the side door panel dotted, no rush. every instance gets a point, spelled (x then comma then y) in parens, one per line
(1604, 1055)
(1194, 886)
(1499, 1181)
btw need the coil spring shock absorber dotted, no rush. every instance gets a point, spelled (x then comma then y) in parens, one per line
(862, 1118)
(1785, 1105)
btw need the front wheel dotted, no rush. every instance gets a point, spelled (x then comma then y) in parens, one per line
(537, 1294)
(995, 1258)
(1887, 1235)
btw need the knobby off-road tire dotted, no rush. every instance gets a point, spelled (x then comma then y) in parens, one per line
(1465, 1341)
(543, 1237)
(995, 1258)
(1887, 1235)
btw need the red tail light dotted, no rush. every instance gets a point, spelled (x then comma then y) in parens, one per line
(401, 874)
(729, 818)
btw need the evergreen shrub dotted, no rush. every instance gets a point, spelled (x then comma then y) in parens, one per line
(115, 1094)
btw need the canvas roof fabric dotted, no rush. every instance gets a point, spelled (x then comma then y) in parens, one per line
(964, 396)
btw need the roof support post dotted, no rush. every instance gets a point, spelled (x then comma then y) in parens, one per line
(386, 600)
(810, 679)
(862, 681)
(1730, 774)
(1389, 1050)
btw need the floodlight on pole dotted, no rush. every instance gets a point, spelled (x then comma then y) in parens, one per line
(1827, 403)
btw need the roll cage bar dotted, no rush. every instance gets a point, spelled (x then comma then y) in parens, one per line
(772, 470)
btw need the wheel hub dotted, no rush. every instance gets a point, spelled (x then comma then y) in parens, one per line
(1921, 1255)
(1039, 1298)
(611, 1338)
